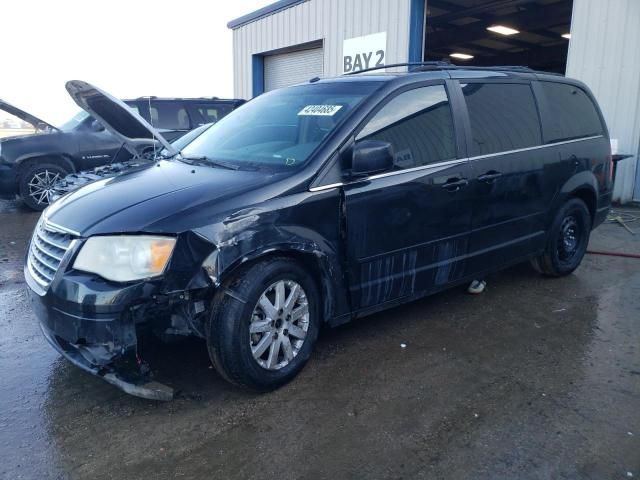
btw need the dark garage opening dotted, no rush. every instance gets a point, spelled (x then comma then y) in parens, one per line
(461, 28)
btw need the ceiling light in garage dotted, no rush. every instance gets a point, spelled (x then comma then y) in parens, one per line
(502, 30)
(566, 35)
(461, 56)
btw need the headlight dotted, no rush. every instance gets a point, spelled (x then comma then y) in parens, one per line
(123, 259)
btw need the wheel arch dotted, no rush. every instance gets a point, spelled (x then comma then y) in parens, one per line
(60, 159)
(316, 263)
(588, 196)
(582, 186)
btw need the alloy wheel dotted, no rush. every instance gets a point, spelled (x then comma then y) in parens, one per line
(41, 186)
(279, 324)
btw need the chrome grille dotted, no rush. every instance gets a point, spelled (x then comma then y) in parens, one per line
(48, 246)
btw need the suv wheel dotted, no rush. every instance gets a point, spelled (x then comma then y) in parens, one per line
(264, 325)
(37, 182)
(567, 242)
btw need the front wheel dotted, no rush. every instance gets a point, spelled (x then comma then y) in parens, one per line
(568, 240)
(37, 184)
(264, 324)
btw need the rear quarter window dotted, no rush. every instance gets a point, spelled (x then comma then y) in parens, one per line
(503, 117)
(570, 113)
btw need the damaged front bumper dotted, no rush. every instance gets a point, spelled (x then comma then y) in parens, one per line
(100, 325)
(95, 328)
(137, 384)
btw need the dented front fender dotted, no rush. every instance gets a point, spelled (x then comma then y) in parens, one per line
(304, 226)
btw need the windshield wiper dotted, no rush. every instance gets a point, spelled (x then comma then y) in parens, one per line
(206, 161)
(192, 160)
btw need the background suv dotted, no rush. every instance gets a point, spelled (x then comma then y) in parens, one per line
(31, 165)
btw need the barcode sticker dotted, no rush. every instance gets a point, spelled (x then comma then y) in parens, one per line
(320, 110)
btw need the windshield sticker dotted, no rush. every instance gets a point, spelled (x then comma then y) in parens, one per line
(320, 110)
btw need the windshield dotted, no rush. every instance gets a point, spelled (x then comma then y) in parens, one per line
(74, 121)
(280, 130)
(186, 139)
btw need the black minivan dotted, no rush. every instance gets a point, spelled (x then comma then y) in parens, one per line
(313, 204)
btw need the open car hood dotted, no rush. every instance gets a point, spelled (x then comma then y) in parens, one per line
(116, 116)
(38, 124)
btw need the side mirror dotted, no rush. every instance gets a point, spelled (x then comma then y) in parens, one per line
(371, 156)
(96, 126)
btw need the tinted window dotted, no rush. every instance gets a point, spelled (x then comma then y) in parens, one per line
(169, 115)
(212, 113)
(418, 124)
(571, 113)
(503, 117)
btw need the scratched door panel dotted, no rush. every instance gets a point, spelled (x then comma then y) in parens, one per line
(509, 212)
(406, 234)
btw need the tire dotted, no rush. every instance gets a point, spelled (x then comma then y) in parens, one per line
(567, 241)
(245, 358)
(36, 183)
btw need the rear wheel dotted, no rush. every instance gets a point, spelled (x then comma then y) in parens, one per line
(264, 325)
(568, 240)
(37, 184)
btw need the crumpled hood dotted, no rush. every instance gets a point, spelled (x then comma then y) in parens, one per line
(158, 199)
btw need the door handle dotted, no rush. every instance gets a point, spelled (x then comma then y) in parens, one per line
(490, 176)
(454, 184)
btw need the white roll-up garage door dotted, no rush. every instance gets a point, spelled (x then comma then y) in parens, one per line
(292, 67)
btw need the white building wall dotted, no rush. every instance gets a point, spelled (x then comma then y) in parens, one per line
(329, 21)
(604, 52)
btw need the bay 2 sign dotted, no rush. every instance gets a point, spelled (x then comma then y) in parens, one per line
(360, 53)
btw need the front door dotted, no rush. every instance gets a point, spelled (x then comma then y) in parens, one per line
(407, 229)
(95, 147)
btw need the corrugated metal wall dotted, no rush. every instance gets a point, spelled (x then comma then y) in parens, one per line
(328, 20)
(604, 52)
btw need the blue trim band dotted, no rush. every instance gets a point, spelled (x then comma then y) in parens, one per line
(257, 74)
(263, 12)
(416, 30)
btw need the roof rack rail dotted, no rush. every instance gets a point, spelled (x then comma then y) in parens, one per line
(508, 68)
(154, 97)
(435, 65)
